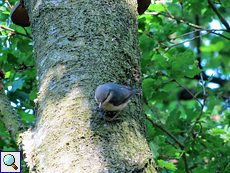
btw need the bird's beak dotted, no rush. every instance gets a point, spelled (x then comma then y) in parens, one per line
(100, 105)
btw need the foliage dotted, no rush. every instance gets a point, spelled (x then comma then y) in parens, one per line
(20, 83)
(188, 119)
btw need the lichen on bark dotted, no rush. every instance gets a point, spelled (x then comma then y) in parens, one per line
(77, 46)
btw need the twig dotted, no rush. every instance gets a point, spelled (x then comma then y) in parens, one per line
(187, 34)
(200, 128)
(182, 8)
(196, 134)
(169, 47)
(201, 110)
(198, 42)
(178, 20)
(190, 24)
(172, 144)
(4, 27)
(160, 42)
(225, 23)
(221, 35)
(198, 30)
(145, 101)
(167, 11)
(198, 118)
(162, 127)
(188, 92)
(9, 4)
(202, 81)
(185, 162)
(15, 32)
(27, 33)
(154, 123)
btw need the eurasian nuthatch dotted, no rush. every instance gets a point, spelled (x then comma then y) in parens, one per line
(114, 97)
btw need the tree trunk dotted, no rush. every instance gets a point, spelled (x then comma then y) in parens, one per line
(79, 45)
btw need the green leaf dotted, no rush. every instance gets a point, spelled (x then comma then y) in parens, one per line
(151, 132)
(3, 8)
(208, 15)
(173, 118)
(192, 72)
(191, 115)
(160, 95)
(168, 166)
(156, 7)
(33, 94)
(8, 149)
(18, 95)
(213, 47)
(161, 60)
(170, 86)
(148, 86)
(171, 151)
(11, 58)
(26, 116)
(218, 132)
(24, 46)
(17, 84)
(155, 145)
(7, 74)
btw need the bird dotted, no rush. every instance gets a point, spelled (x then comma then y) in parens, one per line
(114, 97)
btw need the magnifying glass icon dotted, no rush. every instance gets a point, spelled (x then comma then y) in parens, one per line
(9, 160)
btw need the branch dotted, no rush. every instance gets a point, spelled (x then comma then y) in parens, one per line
(199, 36)
(198, 118)
(154, 123)
(224, 22)
(220, 81)
(159, 42)
(188, 92)
(167, 11)
(185, 162)
(202, 81)
(221, 35)
(199, 30)
(190, 24)
(10, 119)
(9, 4)
(178, 20)
(161, 126)
(6, 28)
(201, 110)
(14, 32)
(146, 102)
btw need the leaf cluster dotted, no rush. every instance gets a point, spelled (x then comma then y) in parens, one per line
(16, 59)
(187, 117)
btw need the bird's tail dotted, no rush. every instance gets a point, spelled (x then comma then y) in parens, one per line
(135, 91)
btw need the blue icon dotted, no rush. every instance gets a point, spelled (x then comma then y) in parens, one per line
(9, 160)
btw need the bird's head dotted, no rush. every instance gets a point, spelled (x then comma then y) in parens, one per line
(102, 94)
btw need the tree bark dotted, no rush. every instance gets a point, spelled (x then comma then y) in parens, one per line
(79, 45)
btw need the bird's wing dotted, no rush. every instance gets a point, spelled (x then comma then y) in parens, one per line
(126, 94)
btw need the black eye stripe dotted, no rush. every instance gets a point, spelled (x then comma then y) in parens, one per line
(106, 97)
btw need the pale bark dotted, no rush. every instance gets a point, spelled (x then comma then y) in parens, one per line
(77, 46)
